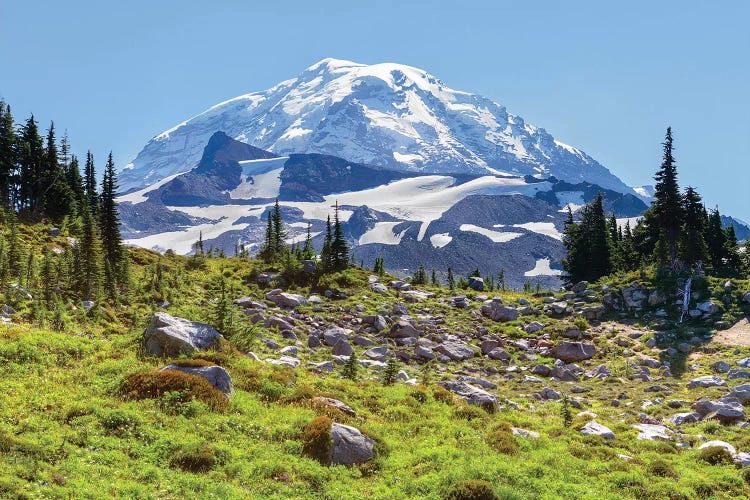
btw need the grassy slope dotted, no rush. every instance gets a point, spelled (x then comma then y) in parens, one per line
(65, 431)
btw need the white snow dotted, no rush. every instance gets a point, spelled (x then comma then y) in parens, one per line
(545, 228)
(542, 268)
(382, 233)
(301, 237)
(632, 220)
(265, 185)
(440, 240)
(496, 236)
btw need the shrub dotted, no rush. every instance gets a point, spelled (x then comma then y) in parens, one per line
(502, 442)
(195, 457)
(193, 363)
(715, 455)
(475, 489)
(661, 468)
(468, 412)
(419, 394)
(152, 384)
(746, 475)
(120, 422)
(316, 439)
(581, 323)
(443, 395)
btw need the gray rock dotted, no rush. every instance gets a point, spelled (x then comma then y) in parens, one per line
(85, 304)
(476, 283)
(685, 418)
(350, 446)
(217, 375)
(288, 300)
(542, 370)
(579, 287)
(706, 381)
(313, 341)
(54, 232)
(289, 350)
(379, 288)
(342, 348)
(744, 362)
(325, 366)
(746, 298)
(524, 433)
(333, 334)
(487, 345)
(653, 432)
(533, 327)
(720, 367)
(379, 324)
(594, 428)
(402, 329)
(424, 352)
(496, 311)
(570, 352)
(378, 353)
(708, 307)
(559, 307)
(498, 354)
(472, 394)
(455, 350)
(600, 371)
(166, 335)
(309, 266)
(741, 392)
(284, 361)
(485, 384)
(271, 344)
(550, 394)
(736, 373)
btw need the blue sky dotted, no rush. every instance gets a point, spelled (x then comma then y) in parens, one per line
(607, 77)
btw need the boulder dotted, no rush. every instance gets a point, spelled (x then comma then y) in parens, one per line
(325, 366)
(217, 375)
(455, 350)
(402, 329)
(342, 348)
(414, 296)
(309, 266)
(472, 394)
(524, 433)
(653, 432)
(685, 418)
(708, 307)
(377, 353)
(288, 300)
(559, 307)
(498, 353)
(706, 381)
(166, 335)
(741, 392)
(284, 361)
(542, 370)
(736, 373)
(349, 446)
(496, 311)
(746, 298)
(579, 287)
(333, 334)
(424, 352)
(379, 288)
(533, 327)
(571, 352)
(593, 312)
(87, 304)
(594, 428)
(289, 350)
(476, 283)
(720, 367)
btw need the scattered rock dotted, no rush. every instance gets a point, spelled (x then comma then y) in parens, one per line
(166, 335)
(288, 300)
(594, 428)
(653, 432)
(455, 350)
(217, 375)
(350, 446)
(706, 381)
(335, 403)
(472, 394)
(571, 352)
(719, 444)
(496, 311)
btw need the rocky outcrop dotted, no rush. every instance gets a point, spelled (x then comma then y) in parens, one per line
(496, 311)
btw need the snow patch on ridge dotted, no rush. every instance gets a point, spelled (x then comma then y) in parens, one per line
(542, 268)
(382, 233)
(440, 240)
(496, 236)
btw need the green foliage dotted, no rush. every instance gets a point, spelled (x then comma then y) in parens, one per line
(420, 276)
(587, 242)
(473, 489)
(502, 441)
(390, 372)
(565, 412)
(715, 455)
(350, 370)
(195, 457)
(661, 468)
(581, 323)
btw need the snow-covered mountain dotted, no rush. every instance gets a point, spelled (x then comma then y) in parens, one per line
(385, 115)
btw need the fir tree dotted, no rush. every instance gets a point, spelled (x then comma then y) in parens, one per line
(587, 243)
(451, 280)
(668, 204)
(109, 227)
(75, 181)
(31, 160)
(57, 198)
(339, 247)
(326, 255)
(89, 259)
(278, 234)
(350, 370)
(716, 241)
(692, 242)
(308, 252)
(434, 279)
(7, 155)
(92, 196)
(390, 372)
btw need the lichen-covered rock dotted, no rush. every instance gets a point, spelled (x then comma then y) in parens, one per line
(289, 300)
(472, 394)
(166, 335)
(594, 428)
(706, 381)
(571, 352)
(496, 311)
(349, 446)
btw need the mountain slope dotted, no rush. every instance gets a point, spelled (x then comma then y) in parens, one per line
(384, 114)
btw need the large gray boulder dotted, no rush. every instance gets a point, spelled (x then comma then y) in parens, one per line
(496, 311)
(402, 329)
(706, 381)
(217, 375)
(282, 299)
(166, 335)
(594, 428)
(570, 352)
(456, 350)
(473, 395)
(350, 446)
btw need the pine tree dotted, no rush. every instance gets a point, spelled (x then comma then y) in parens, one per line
(501, 280)
(350, 370)
(8, 155)
(109, 227)
(92, 196)
(31, 160)
(326, 256)
(390, 372)
(89, 259)
(308, 252)
(732, 259)
(587, 243)
(278, 234)
(339, 247)
(420, 276)
(57, 197)
(434, 279)
(75, 181)
(668, 204)
(716, 241)
(223, 319)
(692, 242)
(451, 280)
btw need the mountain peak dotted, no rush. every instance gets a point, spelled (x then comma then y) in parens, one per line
(385, 114)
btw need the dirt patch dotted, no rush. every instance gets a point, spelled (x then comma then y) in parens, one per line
(739, 334)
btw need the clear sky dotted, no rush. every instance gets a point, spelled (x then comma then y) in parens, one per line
(606, 77)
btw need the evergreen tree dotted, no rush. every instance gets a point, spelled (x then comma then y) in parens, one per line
(326, 256)
(31, 160)
(266, 250)
(350, 370)
(451, 280)
(692, 242)
(390, 372)
(278, 235)
(588, 247)
(501, 280)
(7, 155)
(732, 259)
(420, 276)
(92, 196)
(668, 204)
(339, 247)
(75, 181)
(57, 197)
(716, 241)
(109, 227)
(308, 252)
(89, 259)
(434, 279)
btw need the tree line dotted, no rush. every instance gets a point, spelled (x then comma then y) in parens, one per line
(677, 233)
(41, 181)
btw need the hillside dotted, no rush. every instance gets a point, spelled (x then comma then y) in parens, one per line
(73, 421)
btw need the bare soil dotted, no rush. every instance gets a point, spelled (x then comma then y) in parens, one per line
(739, 334)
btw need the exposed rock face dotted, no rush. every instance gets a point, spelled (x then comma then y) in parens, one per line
(456, 350)
(402, 329)
(473, 395)
(707, 381)
(166, 335)
(570, 352)
(350, 446)
(217, 375)
(496, 311)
